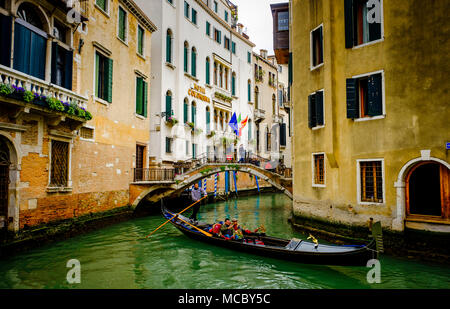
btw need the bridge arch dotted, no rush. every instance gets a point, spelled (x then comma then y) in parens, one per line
(188, 179)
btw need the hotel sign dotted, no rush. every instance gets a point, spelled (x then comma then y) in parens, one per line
(199, 93)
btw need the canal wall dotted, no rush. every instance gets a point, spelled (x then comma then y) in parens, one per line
(411, 244)
(36, 236)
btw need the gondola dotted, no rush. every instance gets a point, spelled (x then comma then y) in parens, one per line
(293, 250)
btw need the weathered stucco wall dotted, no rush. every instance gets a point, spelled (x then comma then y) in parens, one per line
(412, 56)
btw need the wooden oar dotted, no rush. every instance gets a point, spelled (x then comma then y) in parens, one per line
(206, 233)
(175, 216)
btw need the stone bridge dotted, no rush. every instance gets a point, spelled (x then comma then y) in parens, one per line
(153, 191)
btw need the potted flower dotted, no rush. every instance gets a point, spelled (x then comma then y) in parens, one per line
(40, 100)
(191, 125)
(55, 104)
(171, 121)
(28, 96)
(17, 93)
(6, 90)
(211, 133)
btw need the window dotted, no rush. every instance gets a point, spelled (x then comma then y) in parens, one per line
(62, 62)
(103, 77)
(256, 97)
(194, 16)
(186, 56)
(141, 96)
(59, 164)
(194, 150)
(186, 9)
(186, 110)
(365, 96)
(249, 57)
(274, 104)
(227, 42)
(208, 29)
(268, 140)
(233, 47)
(122, 31)
(283, 134)
(216, 7)
(249, 91)
(249, 130)
(170, 1)
(169, 111)
(359, 26)
(215, 73)
(207, 71)
(233, 84)
(60, 31)
(217, 36)
(316, 110)
(169, 145)
(193, 112)
(283, 21)
(319, 169)
(371, 181)
(87, 133)
(103, 4)
(141, 37)
(317, 47)
(29, 45)
(194, 62)
(169, 46)
(208, 120)
(226, 15)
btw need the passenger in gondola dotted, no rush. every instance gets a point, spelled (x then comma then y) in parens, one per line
(216, 229)
(227, 229)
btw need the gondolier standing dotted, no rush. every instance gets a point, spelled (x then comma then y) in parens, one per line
(196, 194)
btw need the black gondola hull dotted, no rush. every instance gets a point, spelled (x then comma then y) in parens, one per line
(356, 257)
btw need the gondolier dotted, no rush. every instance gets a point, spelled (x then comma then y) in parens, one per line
(196, 194)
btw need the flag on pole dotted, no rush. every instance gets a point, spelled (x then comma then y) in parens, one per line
(233, 124)
(244, 122)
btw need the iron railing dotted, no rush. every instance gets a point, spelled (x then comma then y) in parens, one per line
(153, 174)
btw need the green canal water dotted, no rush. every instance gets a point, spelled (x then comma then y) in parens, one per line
(119, 256)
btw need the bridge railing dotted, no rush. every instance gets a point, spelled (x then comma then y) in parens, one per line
(153, 174)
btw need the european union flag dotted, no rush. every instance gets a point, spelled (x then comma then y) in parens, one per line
(234, 124)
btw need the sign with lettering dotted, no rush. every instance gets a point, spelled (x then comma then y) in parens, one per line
(199, 93)
(448, 145)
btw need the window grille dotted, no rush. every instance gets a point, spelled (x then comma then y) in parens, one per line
(59, 164)
(371, 182)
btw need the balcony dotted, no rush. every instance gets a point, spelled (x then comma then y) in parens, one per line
(153, 175)
(72, 106)
(277, 119)
(260, 114)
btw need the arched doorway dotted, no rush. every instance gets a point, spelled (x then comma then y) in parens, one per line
(427, 191)
(4, 185)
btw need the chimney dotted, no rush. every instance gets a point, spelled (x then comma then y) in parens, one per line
(240, 27)
(263, 53)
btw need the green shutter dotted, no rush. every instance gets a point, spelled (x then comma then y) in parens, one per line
(186, 111)
(233, 85)
(207, 71)
(139, 96)
(312, 111)
(249, 92)
(319, 108)
(193, 112)
(185, 59)
(109, 76)
(375, 95)
(348, 15)
(97, 71)
(193, 63)
(208, 29)
(283, 134)
(121, 24)
(168, 106)
(208, 120)
(145, 98)
(290, 73)
(101, 4)
(169, 48)
(140, 40)
(352, 99)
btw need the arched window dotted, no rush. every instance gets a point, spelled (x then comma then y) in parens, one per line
(221, 76)
(169, 38)
(256, 97)
(30, 41)
(194, 62)
(221, 120)
(249, 129)
(274, 104)
(193, 112)
(186, 57)
(249, 90)
(207, 71)
(233, 84)
(226, 78)
(208, 120)
(186, 110)
(168, 104)
(267, 140)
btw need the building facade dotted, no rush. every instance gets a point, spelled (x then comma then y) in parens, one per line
(202, 75)
(370, 118)
(73, 122)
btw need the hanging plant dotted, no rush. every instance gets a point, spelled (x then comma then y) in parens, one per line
(6, 89)
(55, 104)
